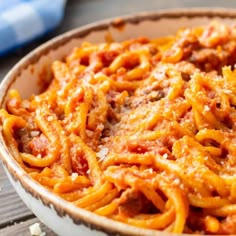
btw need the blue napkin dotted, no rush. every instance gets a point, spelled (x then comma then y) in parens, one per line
(22, 21)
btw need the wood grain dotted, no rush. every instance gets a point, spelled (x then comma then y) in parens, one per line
(22, 229)
(11, 207)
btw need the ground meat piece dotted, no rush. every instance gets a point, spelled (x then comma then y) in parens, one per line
(39, 145)
(188, 42)
(230, 48)
(107, 57)
(228, 225)
(153, 96)
(215, 34)
(208, 59)
(186, 69)
(196, 221)
(79, 162)
(23, 138)
(131, 203)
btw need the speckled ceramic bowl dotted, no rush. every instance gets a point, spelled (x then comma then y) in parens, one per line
(59, 215)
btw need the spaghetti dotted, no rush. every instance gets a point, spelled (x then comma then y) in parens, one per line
(142, 131)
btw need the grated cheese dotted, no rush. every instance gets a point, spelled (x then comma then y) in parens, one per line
(35, 230)
(165, 156)
(102, 153)
(50, 118)
(34, 133)
(74, 176)
(206, 108)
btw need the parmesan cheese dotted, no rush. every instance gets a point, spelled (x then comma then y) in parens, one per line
(35, 230)
(74, 176)
(102, 153)
(165, 156)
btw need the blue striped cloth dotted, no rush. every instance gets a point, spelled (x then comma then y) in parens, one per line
(22, 21)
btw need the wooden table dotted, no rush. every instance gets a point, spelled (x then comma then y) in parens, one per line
(15, 218)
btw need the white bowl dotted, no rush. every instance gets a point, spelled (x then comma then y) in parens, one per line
(61, 216)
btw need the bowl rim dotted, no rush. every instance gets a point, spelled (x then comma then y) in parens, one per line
(63, 207)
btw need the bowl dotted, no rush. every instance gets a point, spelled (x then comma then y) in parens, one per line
(29, 75)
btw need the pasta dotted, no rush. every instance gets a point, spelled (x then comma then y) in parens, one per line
(142, 131)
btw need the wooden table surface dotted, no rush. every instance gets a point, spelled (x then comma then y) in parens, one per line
(15, 218)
